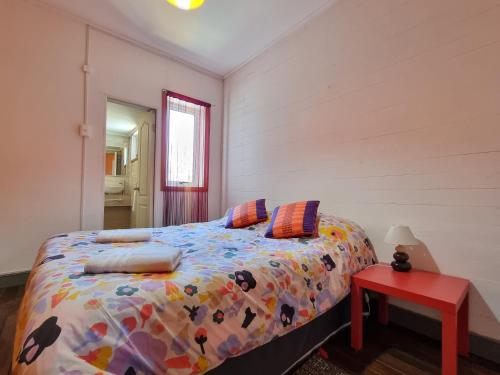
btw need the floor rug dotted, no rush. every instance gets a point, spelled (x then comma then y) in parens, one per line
(316, 365)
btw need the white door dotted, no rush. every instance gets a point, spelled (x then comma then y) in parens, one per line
(143, 194)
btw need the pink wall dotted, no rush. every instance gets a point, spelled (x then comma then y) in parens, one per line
(116, 74)
(388, 112)
(41, 105)
(42, 96)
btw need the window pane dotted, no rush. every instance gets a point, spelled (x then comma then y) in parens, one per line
(180, 147)
(133, 146)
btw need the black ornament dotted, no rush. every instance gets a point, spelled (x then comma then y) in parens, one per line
(400, 262)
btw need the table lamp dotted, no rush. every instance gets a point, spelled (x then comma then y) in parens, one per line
(400, 236)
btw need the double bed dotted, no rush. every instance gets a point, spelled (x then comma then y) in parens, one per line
(238, 302)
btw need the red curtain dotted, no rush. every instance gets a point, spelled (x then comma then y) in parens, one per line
(185, 158)
(181, 207)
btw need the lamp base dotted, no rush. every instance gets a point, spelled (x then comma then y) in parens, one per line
(400, 262)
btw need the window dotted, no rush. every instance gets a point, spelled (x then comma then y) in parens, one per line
(186, 124)
(125, 156)
(134, 146)
(180, 148)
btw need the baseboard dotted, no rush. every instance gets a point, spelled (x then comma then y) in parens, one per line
(481, 346)
(8, 280)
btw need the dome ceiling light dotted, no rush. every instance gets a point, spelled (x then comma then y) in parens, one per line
(186, 4)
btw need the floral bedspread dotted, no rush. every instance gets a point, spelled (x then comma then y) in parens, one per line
(233, 291)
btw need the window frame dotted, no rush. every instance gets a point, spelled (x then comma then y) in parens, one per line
(164, 149)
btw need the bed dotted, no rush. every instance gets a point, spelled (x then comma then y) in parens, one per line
(235, 294)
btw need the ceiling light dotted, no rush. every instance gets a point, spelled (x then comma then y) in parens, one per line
(186, 4)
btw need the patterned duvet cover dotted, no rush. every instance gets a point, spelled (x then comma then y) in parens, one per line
(233, 291)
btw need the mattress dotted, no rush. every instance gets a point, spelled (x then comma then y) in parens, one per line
(234, 291)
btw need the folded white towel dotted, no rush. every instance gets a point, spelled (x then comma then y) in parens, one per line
(135, 260)
(123, 235)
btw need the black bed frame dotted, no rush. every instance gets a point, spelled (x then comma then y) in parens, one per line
(283, 354)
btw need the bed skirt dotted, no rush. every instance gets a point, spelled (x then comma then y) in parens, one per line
(282, 354)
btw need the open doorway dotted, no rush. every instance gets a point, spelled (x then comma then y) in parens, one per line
(129, 165)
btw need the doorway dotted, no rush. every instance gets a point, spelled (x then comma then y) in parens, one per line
(129, 165)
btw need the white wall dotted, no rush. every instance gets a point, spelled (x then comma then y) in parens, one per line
(42, 52)
(388, 112)
(116, 140)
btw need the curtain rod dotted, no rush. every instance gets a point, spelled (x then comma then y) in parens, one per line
(188, 99)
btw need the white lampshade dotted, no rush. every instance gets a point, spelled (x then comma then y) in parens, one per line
(400, 235)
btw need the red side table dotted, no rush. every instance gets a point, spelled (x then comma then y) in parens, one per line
(449, 295)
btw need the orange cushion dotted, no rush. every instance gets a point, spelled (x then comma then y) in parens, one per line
(294, 220)
(247, 214)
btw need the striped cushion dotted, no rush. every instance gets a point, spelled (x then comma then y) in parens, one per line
(293, 220)
(247, 214)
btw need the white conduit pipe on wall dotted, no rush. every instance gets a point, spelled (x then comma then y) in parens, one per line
(86, 73)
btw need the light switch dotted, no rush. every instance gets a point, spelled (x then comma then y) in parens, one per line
(85, 130)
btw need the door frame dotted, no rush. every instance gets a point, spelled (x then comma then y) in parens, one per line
(151, 156)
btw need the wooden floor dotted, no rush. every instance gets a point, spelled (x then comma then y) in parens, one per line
(387, 350)
(117, 217)
(10, 299)
(396, 350)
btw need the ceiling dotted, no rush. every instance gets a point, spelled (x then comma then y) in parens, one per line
(218, 37)
(122, 119)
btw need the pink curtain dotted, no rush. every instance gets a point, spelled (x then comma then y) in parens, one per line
(185, 159)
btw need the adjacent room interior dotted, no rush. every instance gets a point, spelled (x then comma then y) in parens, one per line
(129, 166)
(228, 186)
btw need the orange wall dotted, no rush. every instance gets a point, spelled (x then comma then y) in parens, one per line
(110, 158)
